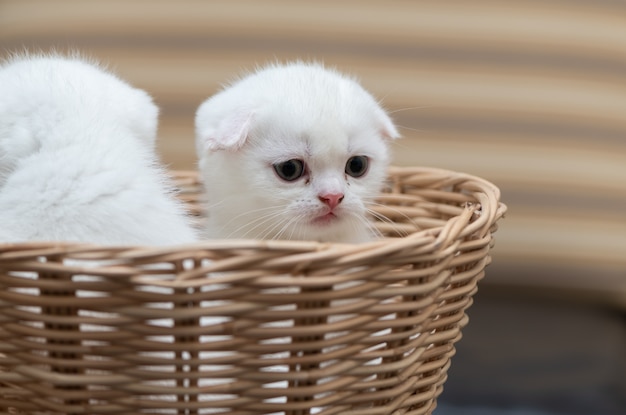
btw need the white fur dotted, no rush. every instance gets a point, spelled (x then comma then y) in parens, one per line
(295, 111)
(77, 158)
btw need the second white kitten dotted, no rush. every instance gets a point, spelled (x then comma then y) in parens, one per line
(292, 152)
(77, 158)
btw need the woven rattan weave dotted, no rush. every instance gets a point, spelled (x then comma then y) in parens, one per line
(251, 327)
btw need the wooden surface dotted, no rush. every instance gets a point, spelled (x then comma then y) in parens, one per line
(528, 94)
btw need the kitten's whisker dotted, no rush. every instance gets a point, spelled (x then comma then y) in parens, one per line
(256, 222)
(208, 206)
(390, 207)
(242, 216)
(417, 130)
(371, 226)
(419, 107)
(283, 223)
(383, 218)
(287, 224)
(251, 212)
(301, 231)
(404, 127)
(379, 216)
(267, 233)
(364, 221)
(296, 220)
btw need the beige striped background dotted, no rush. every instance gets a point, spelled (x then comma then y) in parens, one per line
(530, 94)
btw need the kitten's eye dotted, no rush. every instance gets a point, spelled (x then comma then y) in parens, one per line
(357, 166)
(290, 170)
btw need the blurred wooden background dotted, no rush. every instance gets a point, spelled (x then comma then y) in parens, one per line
(528, 94)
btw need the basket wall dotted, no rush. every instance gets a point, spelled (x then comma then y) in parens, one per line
(251, 327)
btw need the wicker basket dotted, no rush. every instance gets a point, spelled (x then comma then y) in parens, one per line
(251, 327)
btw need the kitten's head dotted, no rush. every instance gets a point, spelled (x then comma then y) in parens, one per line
(292, 152)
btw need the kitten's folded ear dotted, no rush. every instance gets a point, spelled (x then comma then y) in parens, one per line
(216, 131)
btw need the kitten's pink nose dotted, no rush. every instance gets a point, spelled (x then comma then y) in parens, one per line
(331, 199)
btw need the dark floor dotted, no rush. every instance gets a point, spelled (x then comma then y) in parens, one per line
(446, 409)
(522, 355)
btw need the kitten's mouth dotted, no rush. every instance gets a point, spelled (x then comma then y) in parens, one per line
(325, 218)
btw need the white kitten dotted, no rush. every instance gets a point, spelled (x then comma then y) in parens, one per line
(77, 158)
(292, 152)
